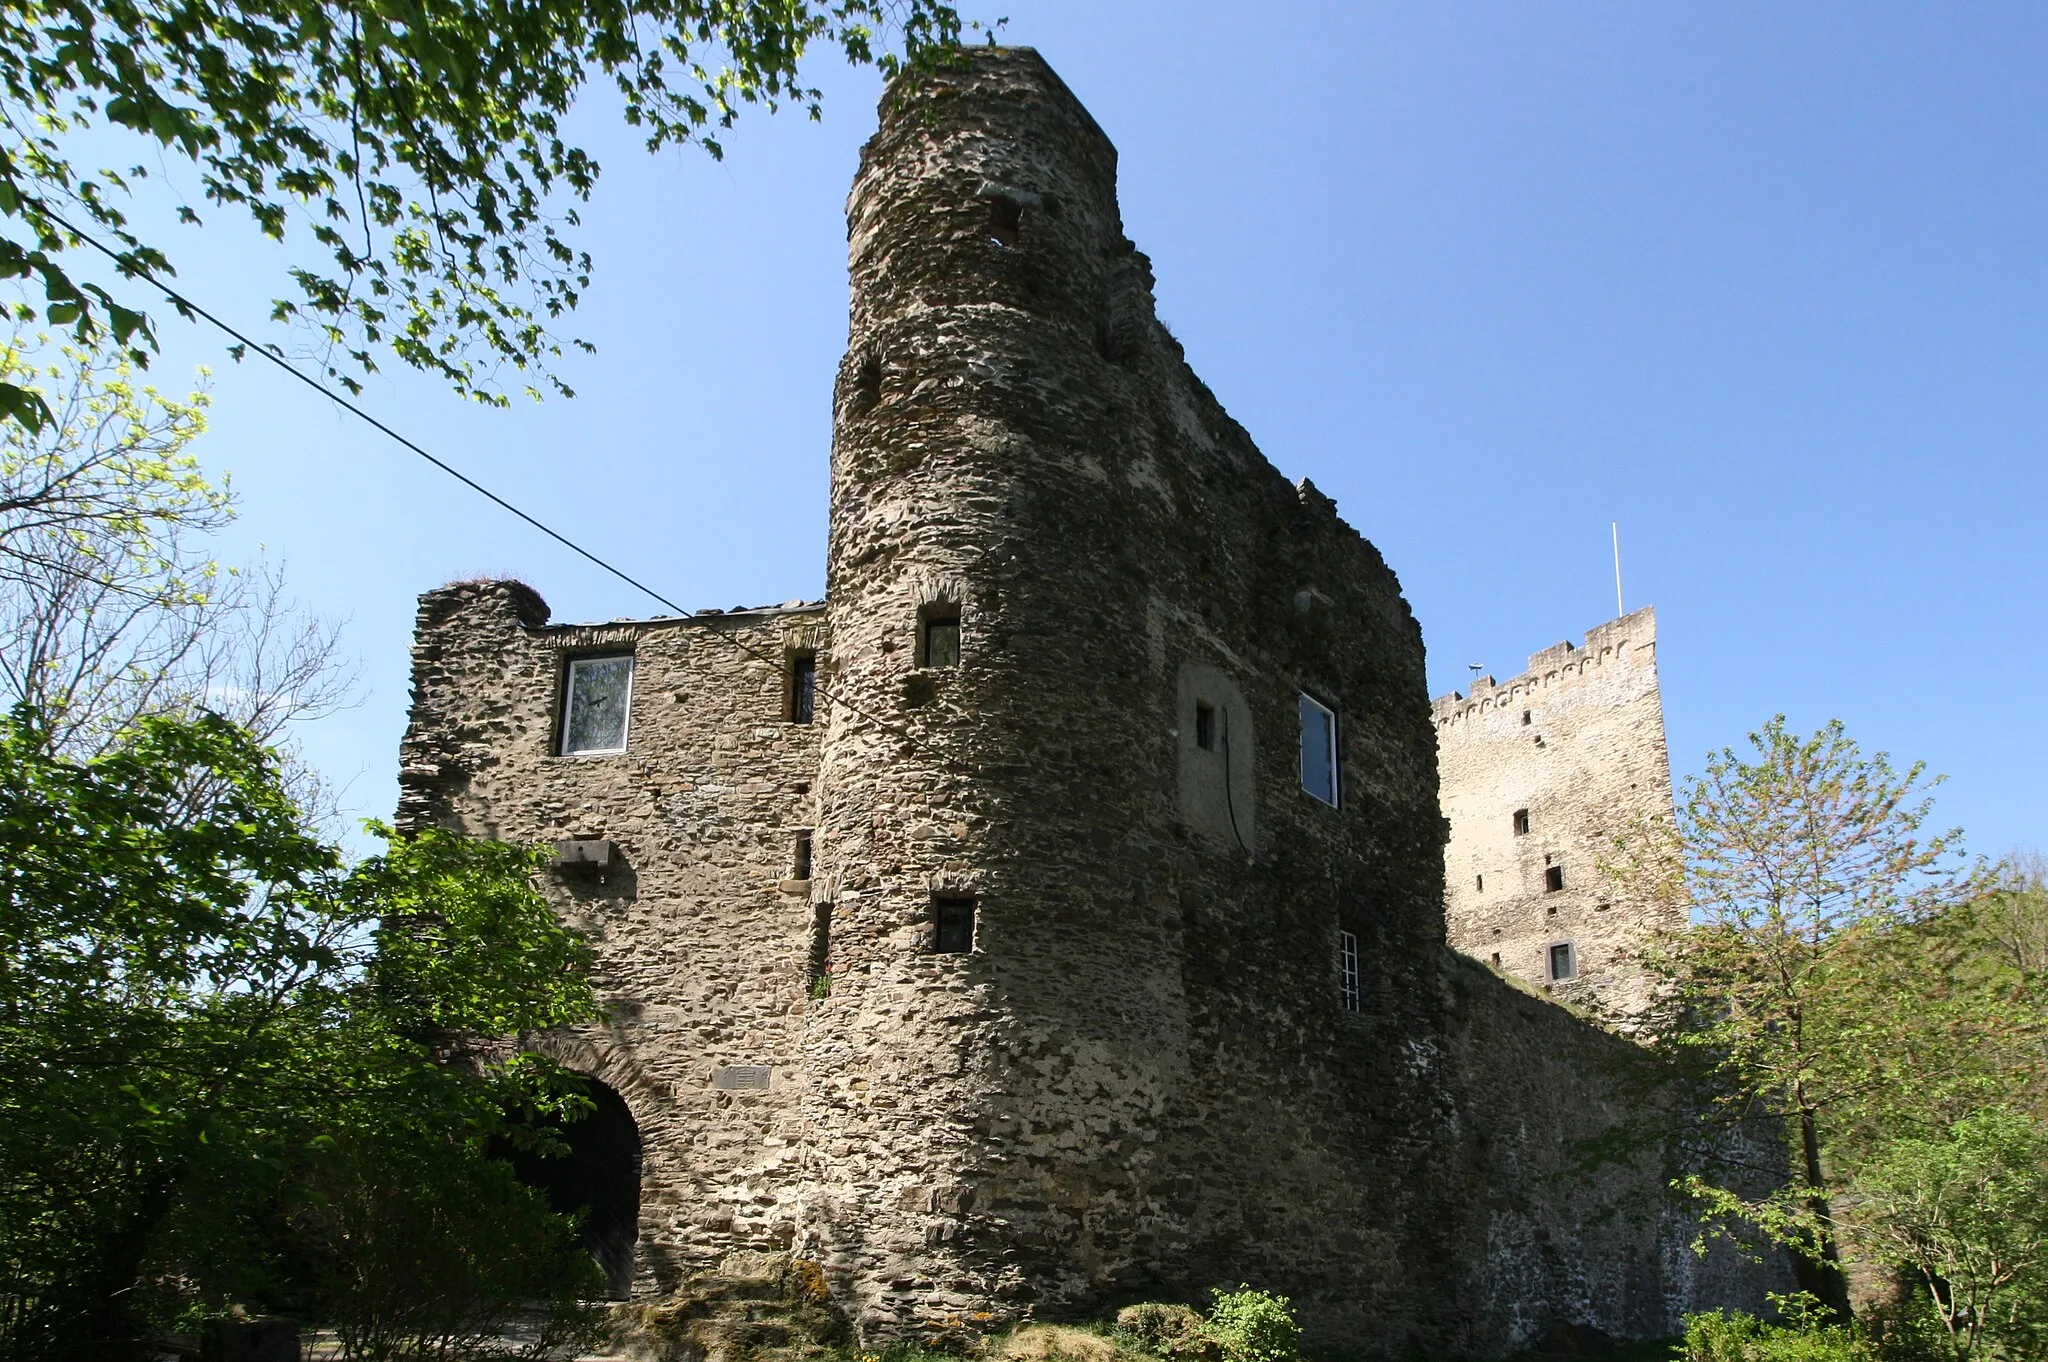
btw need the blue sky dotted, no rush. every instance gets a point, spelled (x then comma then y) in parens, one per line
(1765, 283)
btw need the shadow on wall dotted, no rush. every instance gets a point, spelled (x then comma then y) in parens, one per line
(600, 1178)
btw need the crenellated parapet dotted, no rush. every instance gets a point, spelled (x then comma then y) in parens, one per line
(1622, 650)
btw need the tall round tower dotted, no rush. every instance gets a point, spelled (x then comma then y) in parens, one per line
(1000, 997)
(1082, 904)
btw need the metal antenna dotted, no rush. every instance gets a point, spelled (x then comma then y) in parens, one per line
(1618, 611)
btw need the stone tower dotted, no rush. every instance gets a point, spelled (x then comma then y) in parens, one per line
(1541, 773)
(1152, 999)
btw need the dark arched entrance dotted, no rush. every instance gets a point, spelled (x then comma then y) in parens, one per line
(600, 1177)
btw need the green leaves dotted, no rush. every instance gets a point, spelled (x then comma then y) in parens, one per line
(418, 142)
(197, 998)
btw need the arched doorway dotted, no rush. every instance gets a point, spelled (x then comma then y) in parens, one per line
(599, 1176)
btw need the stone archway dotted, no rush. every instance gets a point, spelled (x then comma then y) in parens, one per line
(600, 1177)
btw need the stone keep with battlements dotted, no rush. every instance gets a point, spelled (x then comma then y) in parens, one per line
(1539, 776)
(1053, 917)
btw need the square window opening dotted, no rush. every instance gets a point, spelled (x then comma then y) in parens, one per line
(1205, 726)
(1521, 822)
(800, 857)
(1553, 879)
(938, 637)
(1563, 962)
(597, 697)
(1347, 970)
(953, 926)
(803, 687)
(1319, 749)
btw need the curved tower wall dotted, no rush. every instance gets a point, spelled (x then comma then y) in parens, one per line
(1144, 1074)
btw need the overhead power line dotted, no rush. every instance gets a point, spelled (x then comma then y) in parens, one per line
(129, 267)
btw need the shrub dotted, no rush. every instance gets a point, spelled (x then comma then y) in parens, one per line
(1254, 1326)
(1736, 1337)
(1171, 1331)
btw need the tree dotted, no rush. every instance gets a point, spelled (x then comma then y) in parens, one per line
(1965, 1212)
(1789, 864)
(214, 1065)
(110, 608)
(420, 147)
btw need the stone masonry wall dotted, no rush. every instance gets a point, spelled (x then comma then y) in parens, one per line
(1577, 743)
(1146, 1077)
(701, 936)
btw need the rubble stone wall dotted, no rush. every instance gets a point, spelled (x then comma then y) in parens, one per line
(700, 934)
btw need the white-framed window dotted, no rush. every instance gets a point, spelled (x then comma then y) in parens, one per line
(1319, 749)
(1347, 970)
(597, 697)
(1563, 962)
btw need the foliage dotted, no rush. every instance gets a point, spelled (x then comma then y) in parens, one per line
(1791, 863)
(1254, 1326)
(1738, 1337)
(205, 1056)
(421, 148)
(1966, 1211)
(107, 609)
(1167, 1330)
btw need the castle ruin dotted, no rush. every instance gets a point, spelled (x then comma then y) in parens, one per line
(1054, 916)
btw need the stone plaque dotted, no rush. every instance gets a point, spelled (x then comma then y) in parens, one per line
(742, 1078)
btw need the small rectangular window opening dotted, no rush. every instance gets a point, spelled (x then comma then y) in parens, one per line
(1205, 726)
(1562, 965)
(800, 857)
(1553, 879)
(597, 696)
(953, 921)
(1347, 970)
(1005, 220)
(1496, 959)
(803, 687)
(938, 643)
(1479, 883)
(1521, 822)
(1525, 716)
(1319, 749)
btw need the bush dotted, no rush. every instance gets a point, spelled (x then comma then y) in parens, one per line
(1254, 1326)
(1736, 1337)
(1171, 1331)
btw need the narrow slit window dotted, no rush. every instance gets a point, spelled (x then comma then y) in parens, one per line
(821, 947)
(1479, 883)
(953, 932)
(1319, 749)
(1347, 970)
(1521, 822)
(597, 697)
(1205, 726)
(940, 645)
(1553, 879)
(1563, 962)
(803, 688)
(800, 857)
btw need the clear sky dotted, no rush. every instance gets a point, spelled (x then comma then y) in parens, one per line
(1765, 283)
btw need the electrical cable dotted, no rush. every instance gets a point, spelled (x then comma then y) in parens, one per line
(130, 268)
